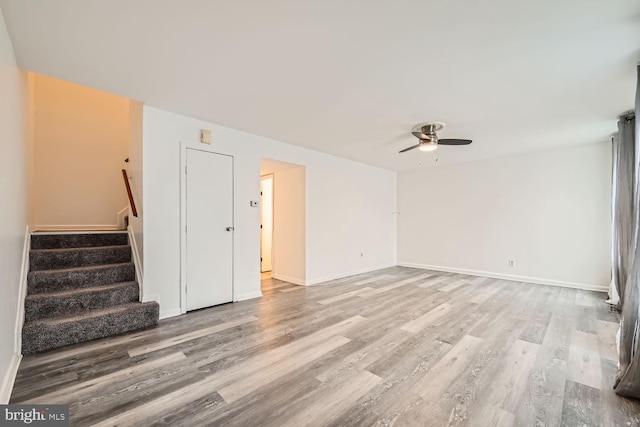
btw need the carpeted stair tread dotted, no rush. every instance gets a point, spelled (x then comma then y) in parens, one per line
(79, 277)
(93, 313)
(47, 334)
(75, 301)
(49, 259)
(79, 240)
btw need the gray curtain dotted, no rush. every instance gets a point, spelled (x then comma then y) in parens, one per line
(627, 144)
(622, 192)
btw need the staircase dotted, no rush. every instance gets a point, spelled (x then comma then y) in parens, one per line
(81, 287)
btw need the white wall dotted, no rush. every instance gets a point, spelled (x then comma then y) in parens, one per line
(289, 226)
(134, 169)
(81, 141)
(548, 211)
(13, 202)
(31, 147)
(350, 207)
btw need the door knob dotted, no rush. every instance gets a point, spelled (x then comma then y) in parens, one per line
(229, 228)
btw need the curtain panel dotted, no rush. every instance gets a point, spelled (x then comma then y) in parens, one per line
(626, 176)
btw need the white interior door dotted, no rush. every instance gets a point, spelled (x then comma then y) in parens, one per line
(266, 222)
(209, 229)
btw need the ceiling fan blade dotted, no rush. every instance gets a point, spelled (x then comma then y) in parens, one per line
(409, 148)
(417, 134)
(449, 141)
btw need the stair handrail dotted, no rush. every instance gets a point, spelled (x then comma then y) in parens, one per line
(132, 203)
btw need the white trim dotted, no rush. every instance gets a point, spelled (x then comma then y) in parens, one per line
(267, 177)
(164, 314)
(183, 220)
(118, 226)
(511, 277)
(153, 297)
(135, 254)
(12, 370)
(322, 280)
(9, 379)
(248, 295)
(289, 279)
(45, 233)
(170, 313)
(22, 291)
(183, 226)
(78, 227)
(120, 217)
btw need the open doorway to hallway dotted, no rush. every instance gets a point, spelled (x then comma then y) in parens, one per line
(266, 225)
(282, 224)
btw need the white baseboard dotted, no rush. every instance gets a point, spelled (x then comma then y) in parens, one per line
(165, 314)
(248, 295)
(78, 227)
(511, 277)
(289, 279)
(22, 291)
(347, 274)
(12, 370)
(52, 232)
(136, 260)
(9, 379)
(153, 297)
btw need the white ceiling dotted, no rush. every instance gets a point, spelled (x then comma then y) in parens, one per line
(350, 78)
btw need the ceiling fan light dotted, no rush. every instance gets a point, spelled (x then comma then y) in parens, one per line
(428, 146)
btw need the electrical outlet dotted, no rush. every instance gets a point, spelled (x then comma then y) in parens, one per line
(512, 263)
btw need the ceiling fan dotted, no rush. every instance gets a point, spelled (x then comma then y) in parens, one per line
(426, 134)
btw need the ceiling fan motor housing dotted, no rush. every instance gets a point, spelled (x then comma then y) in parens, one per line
(430, 132)
(427, 130)
(428, 137)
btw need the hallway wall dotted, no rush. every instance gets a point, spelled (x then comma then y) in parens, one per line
(289, 225)
(81, 139)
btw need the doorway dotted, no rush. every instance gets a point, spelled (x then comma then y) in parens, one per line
(283, 224)
(266, 225)
(208, 229)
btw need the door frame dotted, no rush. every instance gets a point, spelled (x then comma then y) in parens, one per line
(183, 221)
(267, 177)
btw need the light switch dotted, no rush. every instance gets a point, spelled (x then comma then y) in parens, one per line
(205, 136)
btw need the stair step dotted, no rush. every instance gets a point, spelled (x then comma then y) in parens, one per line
(43, 335)
(48, 259)
(77, 240)
(78, 301)
(74, 278)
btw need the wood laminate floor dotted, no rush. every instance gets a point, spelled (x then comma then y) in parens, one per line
(398, 346)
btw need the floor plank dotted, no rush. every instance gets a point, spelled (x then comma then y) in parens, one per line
(582, 406)
(584, 360)
(334, 402)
